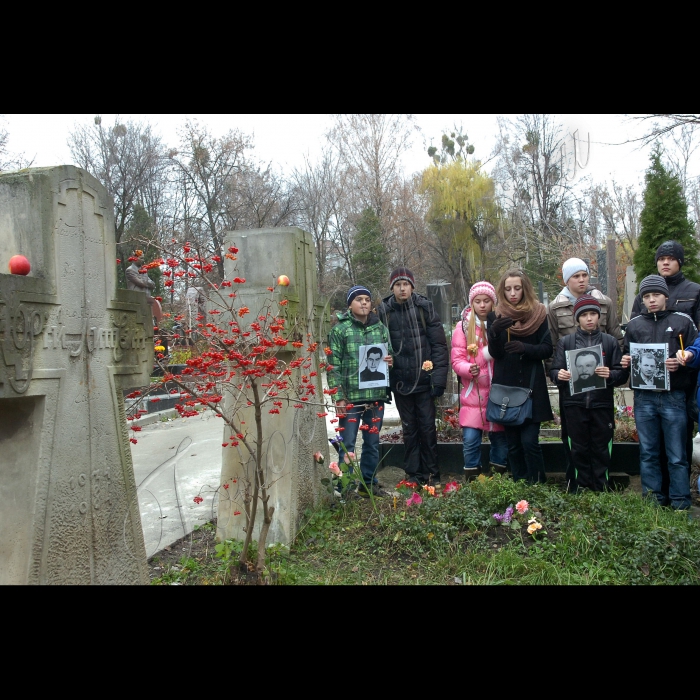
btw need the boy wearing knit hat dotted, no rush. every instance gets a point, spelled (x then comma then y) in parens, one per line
(358, 408)
(683, 296)
(419, 374)
(660, 414)
(589, 412)
(560, 317)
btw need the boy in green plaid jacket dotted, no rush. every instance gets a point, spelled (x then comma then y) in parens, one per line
(360, 332)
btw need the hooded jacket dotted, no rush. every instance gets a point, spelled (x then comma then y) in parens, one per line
(665, 327)
(612, 356)
(345, 339)
(417, 335)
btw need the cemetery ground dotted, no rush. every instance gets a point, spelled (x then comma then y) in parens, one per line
(452, 538)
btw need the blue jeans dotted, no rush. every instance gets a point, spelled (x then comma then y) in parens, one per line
(471, 446)
(373, 417)
(657, 412)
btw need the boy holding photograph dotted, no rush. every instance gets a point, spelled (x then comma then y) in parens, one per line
(589, 413)
(659, 412)
(356, 408)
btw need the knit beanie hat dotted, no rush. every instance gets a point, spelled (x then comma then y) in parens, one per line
(402, 273)
(356, 290)
(672, 248)
(586, 302)
(653, 283)
(571, 267)
(482, 288)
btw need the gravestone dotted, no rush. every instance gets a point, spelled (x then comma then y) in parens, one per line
(70, 343)
(630, 293)
(293, 435)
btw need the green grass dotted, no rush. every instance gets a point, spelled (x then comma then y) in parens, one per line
(614, 538)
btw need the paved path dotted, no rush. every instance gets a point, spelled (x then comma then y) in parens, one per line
(174, 461)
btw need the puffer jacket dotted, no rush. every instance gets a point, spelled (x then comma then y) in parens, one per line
(612, 355)
(417, 335)
(665, 327)
(475, 391)
(560, 317)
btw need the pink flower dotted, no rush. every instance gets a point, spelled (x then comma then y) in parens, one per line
(318, 457)
(522, 507)
(333, 466)
(427, 366)
(414, 499)
(451, 486)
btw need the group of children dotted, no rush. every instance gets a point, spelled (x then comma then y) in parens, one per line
(589, 414)
(504, 337)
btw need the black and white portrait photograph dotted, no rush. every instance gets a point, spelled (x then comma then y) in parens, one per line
(648, 366)
(582, 363)
(374, 371)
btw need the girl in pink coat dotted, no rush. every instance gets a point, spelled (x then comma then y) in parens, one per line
(474, 366)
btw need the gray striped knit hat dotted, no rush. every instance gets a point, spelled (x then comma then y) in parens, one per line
(653, 283)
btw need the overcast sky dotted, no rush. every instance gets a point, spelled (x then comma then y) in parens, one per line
(284, 139)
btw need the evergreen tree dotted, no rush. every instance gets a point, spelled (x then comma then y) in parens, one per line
(369, 257)
(664, 218)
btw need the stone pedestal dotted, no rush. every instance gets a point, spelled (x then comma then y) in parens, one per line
(292, 437)
(70, 343)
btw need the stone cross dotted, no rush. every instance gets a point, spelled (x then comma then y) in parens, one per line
(70, 344)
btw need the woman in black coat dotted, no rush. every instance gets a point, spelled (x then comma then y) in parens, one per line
(519, 341)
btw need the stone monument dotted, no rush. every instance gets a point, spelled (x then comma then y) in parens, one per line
(70, 343)
(294, 435)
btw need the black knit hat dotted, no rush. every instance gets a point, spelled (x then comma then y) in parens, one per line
(653, 283)
(672, 248)
(586, 302)
(402, 273)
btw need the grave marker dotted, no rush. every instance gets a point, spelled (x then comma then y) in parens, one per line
(70, 343)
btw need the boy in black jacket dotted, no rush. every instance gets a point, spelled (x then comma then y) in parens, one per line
(659, 412)
(590, 415)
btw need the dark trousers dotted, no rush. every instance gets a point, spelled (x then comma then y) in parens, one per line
(590, 436)
(524, 452)
(570, 471)
(417, 413)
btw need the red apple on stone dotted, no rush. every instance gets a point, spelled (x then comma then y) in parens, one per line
(283, 281)
(19, 265)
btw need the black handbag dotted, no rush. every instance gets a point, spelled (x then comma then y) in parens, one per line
(510, 405)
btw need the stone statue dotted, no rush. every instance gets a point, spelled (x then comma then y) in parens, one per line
(140, 282)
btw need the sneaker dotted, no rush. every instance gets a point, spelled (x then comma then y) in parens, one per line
(377, 492)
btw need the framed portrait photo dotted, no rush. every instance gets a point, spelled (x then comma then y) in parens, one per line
(582, 364)
(373, 370)
(649, 366)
